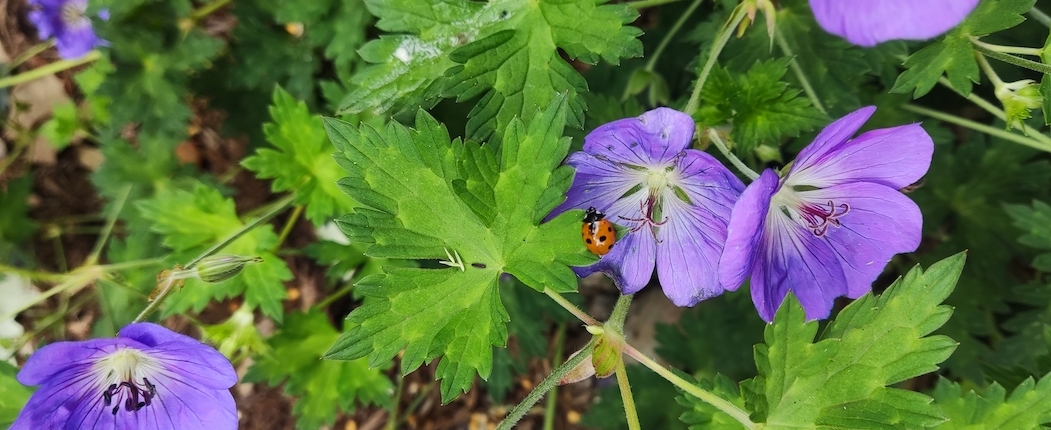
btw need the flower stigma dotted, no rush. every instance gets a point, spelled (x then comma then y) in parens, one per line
(817, 216)
(124, 374)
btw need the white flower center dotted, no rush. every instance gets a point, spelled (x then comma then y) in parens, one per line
(73, 14)
(124, 378)
(816, 217)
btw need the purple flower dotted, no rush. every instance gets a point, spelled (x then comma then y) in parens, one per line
(675, 203)
(147, 378)
(829, 227)
(68, 23)
(870, 22)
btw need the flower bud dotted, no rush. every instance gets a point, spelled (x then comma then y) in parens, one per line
(1019, 98)
(218, 268)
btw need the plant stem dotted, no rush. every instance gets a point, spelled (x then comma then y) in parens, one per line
(276, 208)
(619, 314)
(1021, 50)
(1010, 59)
(581, 315)
(988, 69)
(335, 296)
(291, 222)
(999, 113)
(111, 220)
(208, 9)
(642, 4)
(671, 33)
(718, 402)
(552, 399)
(392, 421)
(49, 69)
(1040, 16)
(798, 71)
(631, 413)
(544, 386)
(738, 164)
(724, 36)
(31, 274)
(976, 126)
(30, 53)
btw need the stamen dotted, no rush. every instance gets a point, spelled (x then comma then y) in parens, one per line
(146, 392)
(819, 217)
(646, 208)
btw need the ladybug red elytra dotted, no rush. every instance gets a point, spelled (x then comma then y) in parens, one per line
(598, 232)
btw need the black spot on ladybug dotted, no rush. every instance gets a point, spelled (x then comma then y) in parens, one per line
(609, 229)
(588, 241)
(602, 238)
(611, 246)
(478, 265)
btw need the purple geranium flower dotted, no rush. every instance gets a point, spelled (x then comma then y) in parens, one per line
(870, 22)
(674, 201)
(829, 227)
(68, 23)
(147, 378)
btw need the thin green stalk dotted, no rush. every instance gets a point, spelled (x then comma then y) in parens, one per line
(552, 399)
(988, 69)
(642, 4)
(334, 296)
(416, 402)
(1040, 17)
(276, 208)
(31, 274)
(581, 315)
(49, 69)
(999, 113)
(798, 71)
(619, 314)
(1021, 50)
(30, 53)
(208, 9)
(671, 33)
(1011, 59)
(630, 411)
(976, 126)
(296, 212)
(392, 421)
(718, 402)
(544, 386)
(738, 164)
(111, 220)
(720, 42)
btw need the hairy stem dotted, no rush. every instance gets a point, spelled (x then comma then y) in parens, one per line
(552, 399)
(718, 402)
(979, 127)
(49, 69)
(720, 42)
(738, 164)
(630, 411)
(581, 315)
(1007, 58)
(544, 386)
(1021, 50)
(798, 71)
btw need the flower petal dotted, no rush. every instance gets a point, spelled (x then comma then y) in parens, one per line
(184, 355)
(652, 139)
(895, 157)
(597, 183)
(629, 264)
(745, 231)
(688, 252)
(870, 22)
(833, 135)
(793, 259)
(75, 41)
(60, 357)
(880, 223)
(708, 183)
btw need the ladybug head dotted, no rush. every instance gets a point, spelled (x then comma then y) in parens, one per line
(593, 215)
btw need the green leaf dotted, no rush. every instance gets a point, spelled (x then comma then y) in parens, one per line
(842, 380)
(13, 395)
(506, 50)
(426, 198)
(1027, 407)
(15, 225)
(192, 221)
(302, 161)
(323, 388)
(952, 55)
(761, 107)
(1035, 222)
(704, 416)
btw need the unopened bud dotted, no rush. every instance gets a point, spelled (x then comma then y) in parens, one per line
(218, 268)
(1019, 98)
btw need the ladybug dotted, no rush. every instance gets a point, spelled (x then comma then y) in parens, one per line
(597, 232)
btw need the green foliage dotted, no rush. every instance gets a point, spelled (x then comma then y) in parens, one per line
(952, 55)
(323, 387)
(841, 380)
(303, 160)
(425, 198)
(192, 221)
(652, 396)
(1028, 406)
(1035, 223)
(704, 416)
(506, 50)
(13, 395)
(760, 106)
(15, 225)
(729, 319)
